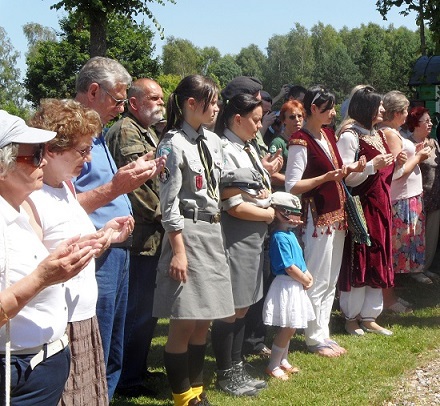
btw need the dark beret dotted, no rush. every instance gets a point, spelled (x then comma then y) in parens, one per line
(241, 85)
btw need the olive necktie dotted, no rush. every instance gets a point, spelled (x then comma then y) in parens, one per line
(206, 158)
(248, 149)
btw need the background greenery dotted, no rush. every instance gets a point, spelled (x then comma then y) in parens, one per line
(382, 57)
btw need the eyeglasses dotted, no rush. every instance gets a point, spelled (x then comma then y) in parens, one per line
(35, 159)
(84, 152)
(118, 102)
(427, 121)
(295, 116)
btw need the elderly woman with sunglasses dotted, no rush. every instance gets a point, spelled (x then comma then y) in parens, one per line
(34, 353)
(60, 215)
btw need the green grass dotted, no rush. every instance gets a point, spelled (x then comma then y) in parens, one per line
(365, 376)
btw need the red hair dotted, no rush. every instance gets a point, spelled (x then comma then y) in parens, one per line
(414, 116)
(290, 105)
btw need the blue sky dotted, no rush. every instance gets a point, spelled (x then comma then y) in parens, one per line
(229, 25)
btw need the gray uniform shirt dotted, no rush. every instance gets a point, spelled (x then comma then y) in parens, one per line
(183, 184)
(237, 157)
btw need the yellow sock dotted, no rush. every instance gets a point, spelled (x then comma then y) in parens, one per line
(197, 390)
(182, 399)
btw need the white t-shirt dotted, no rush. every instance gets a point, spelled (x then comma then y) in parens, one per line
(44, 318)
(63, 217)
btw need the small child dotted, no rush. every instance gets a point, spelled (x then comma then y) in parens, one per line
(287, 304)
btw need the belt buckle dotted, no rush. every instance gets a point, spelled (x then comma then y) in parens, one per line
(216, 218)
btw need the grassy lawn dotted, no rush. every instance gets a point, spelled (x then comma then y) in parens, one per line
(365, 376)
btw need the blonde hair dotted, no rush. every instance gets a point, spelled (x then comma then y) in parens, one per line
(394, 102)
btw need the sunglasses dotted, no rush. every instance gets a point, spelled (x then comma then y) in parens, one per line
(35, 159)
(84, 152)
(118, 102)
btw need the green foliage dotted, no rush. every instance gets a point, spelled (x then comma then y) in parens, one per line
(168, 84)
(98, 12)
(225, 70)
(180, 57)
(11, 93)
(375, 64)
(427, 10)
(132, 45)
(335, 68)
(251, 61)
(339, 60)
(52, 65)
(208, 56)
(290, 60)
(402, 45)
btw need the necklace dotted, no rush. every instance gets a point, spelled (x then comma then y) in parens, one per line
(375, 141)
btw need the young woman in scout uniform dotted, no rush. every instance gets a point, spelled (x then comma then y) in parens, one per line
(193, 280)
(245, 227)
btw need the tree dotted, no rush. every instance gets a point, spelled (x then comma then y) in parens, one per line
(180, 57)
(290, 60)
(403, 47)
(225, 70)
(168, 83)
(427, 10)
(98, 12)
(35, 33)
(251, 61)
(11, 92)
(208, 56)
(375, 64)
(336, 70)
(52, 65)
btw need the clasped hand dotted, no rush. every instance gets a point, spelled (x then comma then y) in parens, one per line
(134, 174)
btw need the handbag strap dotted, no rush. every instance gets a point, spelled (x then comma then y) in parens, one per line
(347, 191)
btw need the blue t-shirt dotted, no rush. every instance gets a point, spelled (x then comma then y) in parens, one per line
(99, 171)
(285, 251)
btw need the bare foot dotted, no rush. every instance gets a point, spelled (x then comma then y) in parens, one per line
(324, 350)
(336, 347)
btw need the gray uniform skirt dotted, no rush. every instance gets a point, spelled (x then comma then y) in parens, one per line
(244, 243)
(207, 293)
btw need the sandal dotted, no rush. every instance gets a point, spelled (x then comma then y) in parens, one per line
(289, 369)
(432, 275)
(404, 302)
(399, 307)
(421, 278)
(277, 373)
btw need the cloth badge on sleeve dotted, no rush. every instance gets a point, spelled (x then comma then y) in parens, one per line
(164, 150)
(164, 175)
